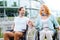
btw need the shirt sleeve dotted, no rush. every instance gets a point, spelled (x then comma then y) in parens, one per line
(37, 24)
(55, 22)
(28, 20)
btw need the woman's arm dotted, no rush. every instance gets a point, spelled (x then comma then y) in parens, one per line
(37, 24)
(55, 22)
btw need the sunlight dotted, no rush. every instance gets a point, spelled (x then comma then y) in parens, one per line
(53, 4)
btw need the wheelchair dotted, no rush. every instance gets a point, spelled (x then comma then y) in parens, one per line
(22, 38)
(54, 36)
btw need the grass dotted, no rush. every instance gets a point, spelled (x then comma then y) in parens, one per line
(1, 35)
(11, 18)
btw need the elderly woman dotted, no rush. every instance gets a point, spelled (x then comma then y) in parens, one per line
(45, 22)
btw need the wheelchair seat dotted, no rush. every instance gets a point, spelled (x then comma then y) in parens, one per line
(22, 38)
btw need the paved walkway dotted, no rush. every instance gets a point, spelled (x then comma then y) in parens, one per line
(1, 38)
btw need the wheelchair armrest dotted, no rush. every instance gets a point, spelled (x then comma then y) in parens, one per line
(10, 30)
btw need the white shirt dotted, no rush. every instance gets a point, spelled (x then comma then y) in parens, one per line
(20, 23)
(44, 23)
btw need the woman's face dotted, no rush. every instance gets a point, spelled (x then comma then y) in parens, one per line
(42, 9)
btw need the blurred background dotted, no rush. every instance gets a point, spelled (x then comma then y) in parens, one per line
(9, 9)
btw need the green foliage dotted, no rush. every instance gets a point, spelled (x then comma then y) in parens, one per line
(14, 4)
(58, 19)
(5, 3)
(1, 35)
(26, 13)
(36, 0)
(1, 3)
(11, 12)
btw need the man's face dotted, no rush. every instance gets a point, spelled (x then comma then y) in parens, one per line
(22, 12)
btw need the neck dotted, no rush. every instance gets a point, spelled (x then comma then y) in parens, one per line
(43, 14)
(21, 16)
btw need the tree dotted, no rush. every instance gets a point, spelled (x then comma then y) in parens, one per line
(5, 3)
(58, 19)
(1, 3)
(14, 4)
(26, 13)
(36, 0)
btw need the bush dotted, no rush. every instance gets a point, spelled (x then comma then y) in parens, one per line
(1, 34)
(58, 19)
(1, 3)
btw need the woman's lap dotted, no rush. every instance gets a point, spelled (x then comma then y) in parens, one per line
(47, 32)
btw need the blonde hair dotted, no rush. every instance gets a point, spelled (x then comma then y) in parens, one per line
(31, 22)
(47, 11)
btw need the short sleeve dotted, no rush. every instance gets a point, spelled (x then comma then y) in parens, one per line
(28, 20)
